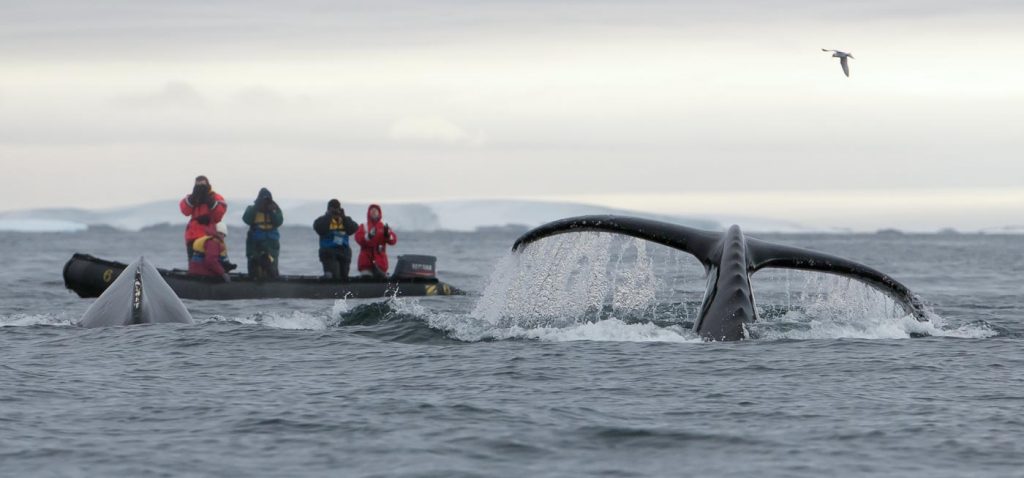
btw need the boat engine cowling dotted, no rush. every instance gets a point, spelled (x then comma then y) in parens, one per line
(413, 266)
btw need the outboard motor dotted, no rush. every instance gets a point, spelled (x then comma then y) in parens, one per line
(412, 266)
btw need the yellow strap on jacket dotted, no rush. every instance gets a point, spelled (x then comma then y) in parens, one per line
(263, 221)
(337, 225)
(200, 246)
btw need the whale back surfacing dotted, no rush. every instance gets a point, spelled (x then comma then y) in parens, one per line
(138, 296)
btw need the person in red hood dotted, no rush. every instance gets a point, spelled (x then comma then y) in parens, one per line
(373, 238)
(205, 207)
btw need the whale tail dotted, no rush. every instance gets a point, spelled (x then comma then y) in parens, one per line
(729, 259)
(139, 295)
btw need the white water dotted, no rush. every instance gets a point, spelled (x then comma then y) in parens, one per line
(296, 320)
(599, 287)
(568, 280)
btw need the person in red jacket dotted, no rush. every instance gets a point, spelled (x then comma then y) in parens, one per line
(373, 238)
(210, 253)
(205, 207)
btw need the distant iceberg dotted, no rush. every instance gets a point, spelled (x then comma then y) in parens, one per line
(453, 215)
(1011, 229)
(41, 225)
(472, 215)
(467, 215)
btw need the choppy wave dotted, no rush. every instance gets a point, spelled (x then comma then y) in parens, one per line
(28, 320)
(295, 320)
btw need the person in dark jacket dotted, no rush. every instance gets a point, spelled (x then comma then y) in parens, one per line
(204, 208)
(263, 241)
(374, 237)
(334, 229)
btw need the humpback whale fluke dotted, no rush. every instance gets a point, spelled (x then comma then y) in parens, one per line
(842, 55)
(729, 259)
(138, 296)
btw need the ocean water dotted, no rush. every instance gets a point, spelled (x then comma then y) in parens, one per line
(574, 358)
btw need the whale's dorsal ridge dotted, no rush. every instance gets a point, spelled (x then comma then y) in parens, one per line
(139, 295)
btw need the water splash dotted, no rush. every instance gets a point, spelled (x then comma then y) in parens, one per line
(568, 280)
(590, 286)
(807, 305)
(340, 307)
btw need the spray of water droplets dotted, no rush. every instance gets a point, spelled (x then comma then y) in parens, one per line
(598, 286)
(572, 279)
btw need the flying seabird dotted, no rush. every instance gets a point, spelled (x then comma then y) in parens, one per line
(842, 55)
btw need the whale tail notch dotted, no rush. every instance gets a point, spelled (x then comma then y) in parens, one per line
(729, 259)
(139, 295)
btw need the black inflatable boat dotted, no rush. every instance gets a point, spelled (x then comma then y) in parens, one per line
(89, 276)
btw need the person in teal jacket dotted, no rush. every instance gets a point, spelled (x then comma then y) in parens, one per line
(263, 242)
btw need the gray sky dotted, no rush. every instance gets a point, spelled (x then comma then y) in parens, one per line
(680, 107)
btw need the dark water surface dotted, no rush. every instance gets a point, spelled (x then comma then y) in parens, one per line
(576, 360)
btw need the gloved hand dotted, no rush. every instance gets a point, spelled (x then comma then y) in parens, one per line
(199, 193)
(387, 231)
(204, 220)
(226, 278)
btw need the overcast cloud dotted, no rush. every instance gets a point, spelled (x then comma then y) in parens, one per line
(645, 102)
